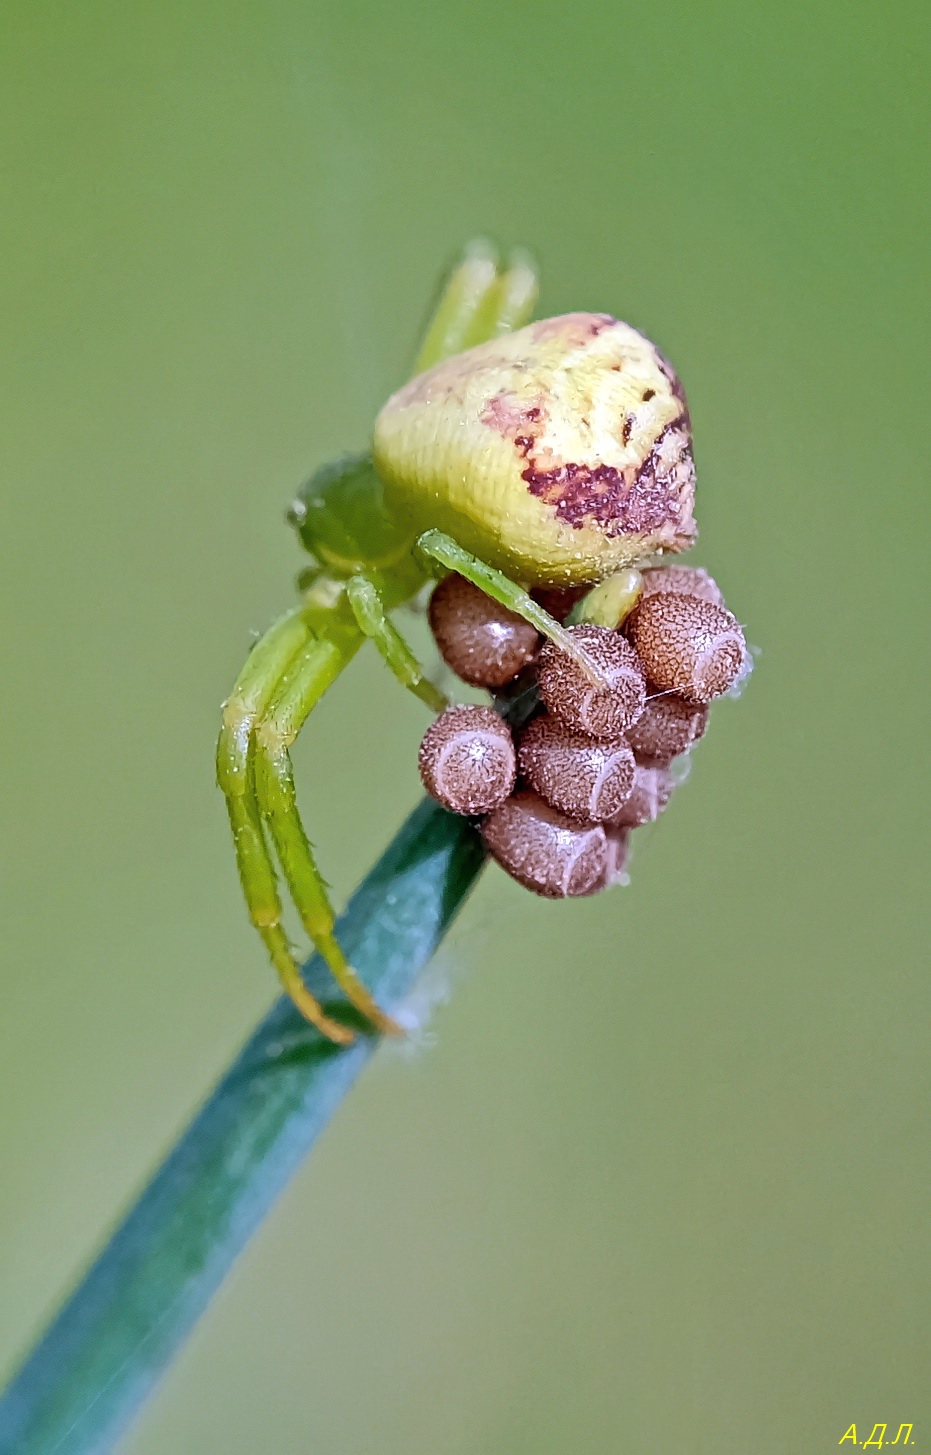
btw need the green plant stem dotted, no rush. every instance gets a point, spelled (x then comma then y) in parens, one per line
(116, 1334)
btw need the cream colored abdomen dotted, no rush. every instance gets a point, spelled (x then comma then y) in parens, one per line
(558, 454)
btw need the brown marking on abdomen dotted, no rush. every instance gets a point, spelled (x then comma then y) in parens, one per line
(575, 328)
(620, 502)
(675, 383)
(509, 417)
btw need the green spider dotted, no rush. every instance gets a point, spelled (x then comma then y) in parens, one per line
(521, 456)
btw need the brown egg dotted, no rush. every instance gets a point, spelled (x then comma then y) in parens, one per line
(484, 643)
(467, 760)
(651, 792)
(543, 849)
(598, 712)
(617, 841)
(687, 645)
(558, 601)
(684, 580)
(667, 727)
(587, 778)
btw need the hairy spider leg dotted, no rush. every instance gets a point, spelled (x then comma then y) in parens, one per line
(372, 615)
(478, 303)
(508, 303)
(291, 667)
(252, 692)
(304, 681)
(442, 548)
(463, 295)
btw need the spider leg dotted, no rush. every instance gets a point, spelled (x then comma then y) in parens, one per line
(305, 679)
(459, 302)
(372, 615)
(441, 547)
(253, 690)
(508, 303)
(478, 303)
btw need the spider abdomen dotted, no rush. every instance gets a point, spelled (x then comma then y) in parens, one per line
(558, 453)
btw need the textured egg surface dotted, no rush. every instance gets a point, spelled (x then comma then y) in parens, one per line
(558, 453)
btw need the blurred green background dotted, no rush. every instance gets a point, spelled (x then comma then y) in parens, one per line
(661, 1183)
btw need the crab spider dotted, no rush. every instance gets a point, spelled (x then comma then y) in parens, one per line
(519, 456)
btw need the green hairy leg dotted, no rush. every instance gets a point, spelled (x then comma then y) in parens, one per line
(508, 303)
(304, 681)
(371, 614)
(251, 695)
(299, 658)
(442, 548)
(479, 303)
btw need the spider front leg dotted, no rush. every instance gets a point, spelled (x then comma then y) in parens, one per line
(305, 679)
(372, 615)
(442, 548)
(509, 302)
(251, 695)
(479, 303)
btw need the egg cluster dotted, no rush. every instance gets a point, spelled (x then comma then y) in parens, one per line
(560, 795)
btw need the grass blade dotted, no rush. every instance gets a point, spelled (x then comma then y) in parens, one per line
(116, 1334)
